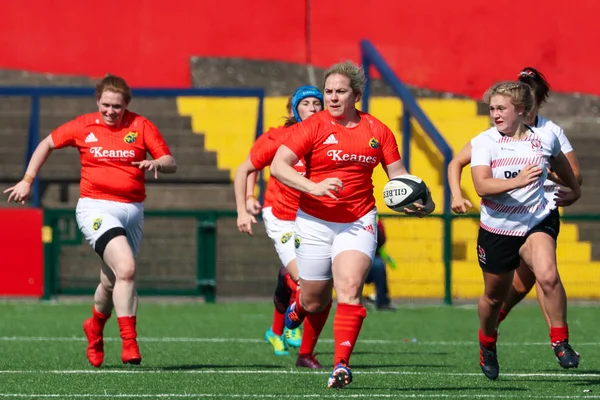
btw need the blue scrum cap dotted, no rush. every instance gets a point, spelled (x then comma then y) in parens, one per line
(302, 93)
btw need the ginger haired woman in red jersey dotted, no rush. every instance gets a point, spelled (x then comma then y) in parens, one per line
(335, 234)
(113, 144)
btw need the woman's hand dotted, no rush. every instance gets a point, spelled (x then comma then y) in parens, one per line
(19, 193)
(253, 206)
(244, 223)
(564, 198)
(148, 165)
(528, 174)
(327, 187)
(421, 210)
(460, 205)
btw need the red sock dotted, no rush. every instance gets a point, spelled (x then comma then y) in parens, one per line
(290, 283)
(489, 342)
(127, 327)
(294, 295)
(502, 315)
(278, 323)
(313, 325)
(299, 309)
(99, 318)
(559, 334)
(347, 322)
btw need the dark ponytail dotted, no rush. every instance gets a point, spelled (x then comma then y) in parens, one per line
(538, 83)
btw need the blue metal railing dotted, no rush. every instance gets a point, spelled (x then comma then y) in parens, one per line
(37, 92)
(372, 58)
(261, 174)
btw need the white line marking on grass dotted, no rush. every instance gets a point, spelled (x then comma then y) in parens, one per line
(279, 372)
(346, 395)
(247, 340)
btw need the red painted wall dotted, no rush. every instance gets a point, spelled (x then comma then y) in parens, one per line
(21, 247)
(460, 47)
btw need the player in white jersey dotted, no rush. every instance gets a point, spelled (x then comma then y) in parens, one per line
(509, 167)
(524, 279)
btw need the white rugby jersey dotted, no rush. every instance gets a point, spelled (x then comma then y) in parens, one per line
(516, 212)
(565, 146)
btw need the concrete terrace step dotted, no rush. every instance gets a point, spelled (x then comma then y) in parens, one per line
(587, 162)
(591, 179)
(161, 196)
(245, 264)
(580, 127)
(585, 146)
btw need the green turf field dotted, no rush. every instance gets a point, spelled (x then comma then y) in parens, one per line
(198, 351)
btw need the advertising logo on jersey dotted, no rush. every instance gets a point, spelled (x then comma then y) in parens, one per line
(105, 154)
(297, 241)
(339, 156)
(373, 143)
(130, 137)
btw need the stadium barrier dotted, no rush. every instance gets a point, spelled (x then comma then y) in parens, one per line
(198, 253)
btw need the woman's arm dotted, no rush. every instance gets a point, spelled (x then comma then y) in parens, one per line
(574, 166)
(250, 183)
(487, 185)
(563, 169)
(455, 168)
(282, 169)
(253, 206)
(166, 164)
(245, 219)
(20, 192)
(462, 159)
(397, 169)
(240, 182)
(39, 156)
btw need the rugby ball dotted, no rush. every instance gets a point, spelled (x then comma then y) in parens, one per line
(401, 192)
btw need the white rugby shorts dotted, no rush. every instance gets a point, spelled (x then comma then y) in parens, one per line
(95, 217)
(282, 234)
(318, 242)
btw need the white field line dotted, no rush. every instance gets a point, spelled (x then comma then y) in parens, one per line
(278, 372)
(140, 339)
(344, 395)
(248, 340)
